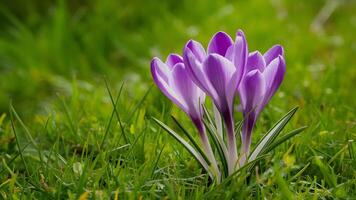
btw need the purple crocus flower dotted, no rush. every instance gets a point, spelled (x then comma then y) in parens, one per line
(218, 73)
(263, 76)
(174, 81)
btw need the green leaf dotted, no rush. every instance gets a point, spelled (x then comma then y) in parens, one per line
(210, 124)
(187, 146)
(218, 121)
(191, 139)
(220, 148)
(299, 173)
(326, 170)
(114, 104)
(245, 166)
(238, 126)
(217, 140)
(271, 135)
(283, 139)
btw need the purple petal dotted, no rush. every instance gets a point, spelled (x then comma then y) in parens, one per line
(219, 43)
(238, 54)
(161, 77)
(252, 92)
(219, 72)
(187, 90)
(195, 71)
(274, 74)
(162, 70)
(255, 61)
(273, 52)
(173, 59)
(197, 49)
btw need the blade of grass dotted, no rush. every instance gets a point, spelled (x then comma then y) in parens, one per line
(299, 173)
(139, 104)
(283, 139)
(108, 127)
(272, 134)
(115, 109)
(219, 148)
(17, 141)
(18, 154)
(27, 131)
(217, 141)
(327, 171)
(187, 146)
(209, 123)
(69, 117)
(156, 162)
(238, 127)
(218, 121)
(191, 139)
(229, 178)
(338, 153)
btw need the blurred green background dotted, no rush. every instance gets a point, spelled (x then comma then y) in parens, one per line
(44, 44)
(61, 51)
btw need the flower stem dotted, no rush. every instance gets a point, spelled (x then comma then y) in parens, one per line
(218, 121)
(229, 123)
(207, 148)
(246, 138)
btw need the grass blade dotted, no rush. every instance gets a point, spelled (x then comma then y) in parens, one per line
(210, 124)
(191, 139)
(115, 109)
(17, 142)
(219, 148)
(217, 140)
(187, 146)
(299, 173)
(271, 135)
(139, 104)
(283, 139)
(226, 181)
(218, 121)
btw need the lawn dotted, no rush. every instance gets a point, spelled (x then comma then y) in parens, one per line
(77, 99)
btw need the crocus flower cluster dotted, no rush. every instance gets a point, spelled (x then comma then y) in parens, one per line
(224, 71)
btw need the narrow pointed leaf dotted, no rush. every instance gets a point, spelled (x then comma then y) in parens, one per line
(210, 124)
(220, 148)
(245, 166)
(238, 127)
(208, 117)
(218, 121)
(191, 139)
(187, 146)
(283, 139)
(271, 134)
(220, 141)
(299, 173)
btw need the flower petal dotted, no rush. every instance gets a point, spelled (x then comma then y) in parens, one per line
(273, 53)
(197, 49)
(219, 71)
(192, 96)
(161, 78)
(219, 43)
(274, 74)
(195, 70)
(238, 54)
(255, 61)
(162, 70)
(252, 92)
(173, 59)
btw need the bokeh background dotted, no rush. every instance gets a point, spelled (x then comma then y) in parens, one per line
(55, 56)
(44, 44)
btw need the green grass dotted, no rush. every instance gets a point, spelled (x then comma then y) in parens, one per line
(61, 136)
